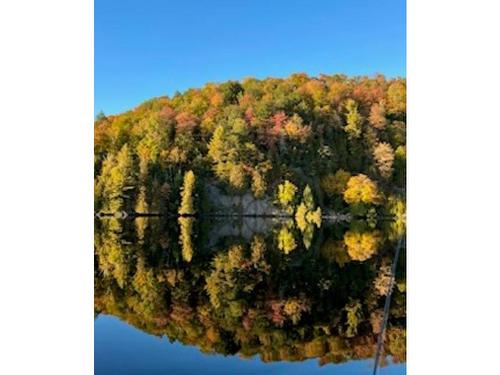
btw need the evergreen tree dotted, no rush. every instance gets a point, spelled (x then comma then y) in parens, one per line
(187, 194)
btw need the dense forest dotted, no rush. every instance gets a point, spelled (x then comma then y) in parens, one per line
(308, 145)
(270, 293)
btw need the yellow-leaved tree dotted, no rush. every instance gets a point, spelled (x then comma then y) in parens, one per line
(362, 246)
(361, 189)
(187, 194)
(354, 120)
(286, 195)
(185, 238)
(286, 240)
(383, 154)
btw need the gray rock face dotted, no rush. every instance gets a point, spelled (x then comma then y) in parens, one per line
(336, 217)
(239, 205)
(245, 227)
(248, 205)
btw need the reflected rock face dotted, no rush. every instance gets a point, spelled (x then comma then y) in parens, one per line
(265, 293)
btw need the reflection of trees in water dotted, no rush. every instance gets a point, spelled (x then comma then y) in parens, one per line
(286, 240)
(186, 228)
(251, 297)
(361, 246)
(114, 252)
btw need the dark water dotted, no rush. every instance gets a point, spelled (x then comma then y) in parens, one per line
(252, 296)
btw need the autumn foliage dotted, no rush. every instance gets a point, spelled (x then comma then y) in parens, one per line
(253, 136)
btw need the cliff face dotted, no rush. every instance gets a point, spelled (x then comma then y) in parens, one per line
(248, 205)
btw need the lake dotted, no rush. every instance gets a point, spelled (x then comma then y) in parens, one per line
(248, 296)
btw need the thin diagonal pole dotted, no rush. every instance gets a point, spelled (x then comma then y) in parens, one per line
(380, 340)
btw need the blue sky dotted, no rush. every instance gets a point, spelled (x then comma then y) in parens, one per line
(152, 48)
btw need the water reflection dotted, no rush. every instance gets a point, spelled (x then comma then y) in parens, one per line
(255, 286)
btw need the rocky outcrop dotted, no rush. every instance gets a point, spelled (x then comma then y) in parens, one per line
(248, 205)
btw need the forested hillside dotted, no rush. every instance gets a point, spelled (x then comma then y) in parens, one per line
(332, 142)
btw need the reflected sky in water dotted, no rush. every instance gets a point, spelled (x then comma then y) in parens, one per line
(122, 349)
(261, 297)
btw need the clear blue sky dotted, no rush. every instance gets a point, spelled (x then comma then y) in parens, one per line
(152, 48)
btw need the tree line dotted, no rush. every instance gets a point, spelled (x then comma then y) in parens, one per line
(341, 138)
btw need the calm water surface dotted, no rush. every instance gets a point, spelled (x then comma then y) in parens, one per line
(249, 296)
